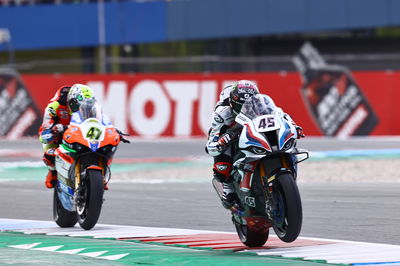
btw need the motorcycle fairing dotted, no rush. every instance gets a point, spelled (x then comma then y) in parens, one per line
(92, 133)
(253, 136)
(275, 122)
(286, 132)
(63, 165)
(247, 178)
(250, 137)
(66, 196)
(91, 128)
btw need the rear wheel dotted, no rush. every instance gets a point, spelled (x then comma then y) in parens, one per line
(288, 213)
(251, 237)
(89, 206)
(61, 216)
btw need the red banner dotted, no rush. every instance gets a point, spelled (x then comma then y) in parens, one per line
(176, 105)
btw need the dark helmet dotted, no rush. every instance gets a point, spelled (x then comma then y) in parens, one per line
(241, 91)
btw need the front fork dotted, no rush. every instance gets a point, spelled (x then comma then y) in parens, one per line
(77, 175)
(79, 190)
(269, 183)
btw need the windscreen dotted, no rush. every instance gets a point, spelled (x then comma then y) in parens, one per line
(90, 108)
(257, 105)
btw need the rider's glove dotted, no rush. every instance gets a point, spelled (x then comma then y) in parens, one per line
(300, 133)
(224, 140)
(213, 148)
(58, 129)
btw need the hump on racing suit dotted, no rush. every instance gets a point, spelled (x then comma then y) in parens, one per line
(56, 112)
(222, 119)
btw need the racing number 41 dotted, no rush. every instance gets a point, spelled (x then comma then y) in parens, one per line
(266, 122)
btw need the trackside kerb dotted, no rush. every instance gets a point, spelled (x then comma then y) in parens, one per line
(46, 250)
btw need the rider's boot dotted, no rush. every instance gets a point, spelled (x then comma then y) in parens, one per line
(49, 159)
(229, 195)
(51, 179)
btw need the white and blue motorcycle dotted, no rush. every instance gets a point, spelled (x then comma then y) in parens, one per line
(264, 174)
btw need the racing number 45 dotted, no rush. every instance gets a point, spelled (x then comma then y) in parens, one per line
(266, 122)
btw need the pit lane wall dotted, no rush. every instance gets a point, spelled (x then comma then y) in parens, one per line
(180, 105)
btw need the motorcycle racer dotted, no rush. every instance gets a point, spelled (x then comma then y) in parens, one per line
(223, 133)
(220, 134)
(56, 119)
(57, 116)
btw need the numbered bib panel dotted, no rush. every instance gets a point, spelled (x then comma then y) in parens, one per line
(266, 123)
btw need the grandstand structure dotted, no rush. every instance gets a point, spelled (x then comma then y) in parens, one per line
(87, 36)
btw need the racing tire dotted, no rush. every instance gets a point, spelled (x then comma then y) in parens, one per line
(89, 213)
(61, 216)
(289, 216)
(249, 237)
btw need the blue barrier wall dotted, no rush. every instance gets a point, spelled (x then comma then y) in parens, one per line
(72, 25)
(226, 18)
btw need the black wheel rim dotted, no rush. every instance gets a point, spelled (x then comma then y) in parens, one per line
(279, 220)
(242, 232)
(56, 206)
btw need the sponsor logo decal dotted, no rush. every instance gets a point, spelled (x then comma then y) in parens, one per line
(250, 201)
(222, 167)
(218, 118)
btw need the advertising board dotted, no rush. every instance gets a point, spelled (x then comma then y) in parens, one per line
(180, 105)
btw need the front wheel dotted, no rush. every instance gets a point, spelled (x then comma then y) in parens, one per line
(61, 216)
(288, 215)
(91, 200)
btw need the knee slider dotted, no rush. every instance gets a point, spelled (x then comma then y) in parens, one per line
(49, 157)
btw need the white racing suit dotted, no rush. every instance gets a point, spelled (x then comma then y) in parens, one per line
(222, 120)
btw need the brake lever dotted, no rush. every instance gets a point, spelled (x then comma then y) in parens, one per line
(124, 140)
(121, 135)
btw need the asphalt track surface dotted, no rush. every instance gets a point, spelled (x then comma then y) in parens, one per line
(347, 211)
(182, 148)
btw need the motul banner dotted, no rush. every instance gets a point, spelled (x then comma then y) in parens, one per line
(180, 105)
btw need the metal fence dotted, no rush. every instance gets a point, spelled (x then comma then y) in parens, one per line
(207, 63)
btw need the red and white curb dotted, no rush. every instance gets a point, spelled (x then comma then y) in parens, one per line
(331, 251)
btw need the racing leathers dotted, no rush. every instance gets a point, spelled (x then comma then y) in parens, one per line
(222, 120)
(55, 121)
(218, 145)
